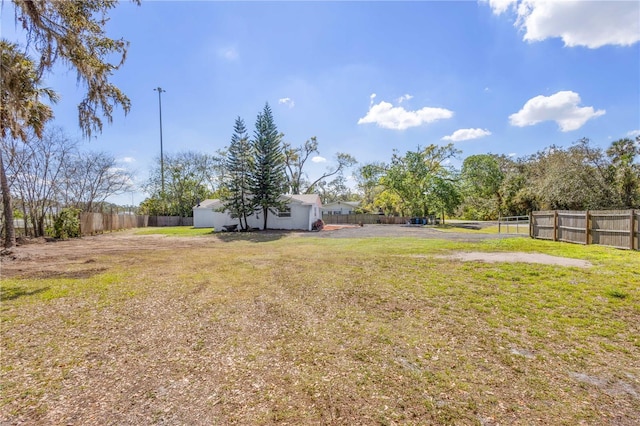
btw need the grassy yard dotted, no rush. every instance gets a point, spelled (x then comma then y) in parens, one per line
(253, 329)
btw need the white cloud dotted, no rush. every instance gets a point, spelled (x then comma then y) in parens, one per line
(318, 159)
(511, 154)
(287, 101)
(578, 23)
(387, 116)
(230, 53)
(501, 6)
(561, 107)
(466, 134)
(633, 133)
(404, 98)
(128, 160)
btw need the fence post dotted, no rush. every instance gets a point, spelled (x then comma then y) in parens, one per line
(631, 229)
(555, 225)
(531, 224)
(586, 227)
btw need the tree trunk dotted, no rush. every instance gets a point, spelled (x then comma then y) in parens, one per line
(41, 225)
(265, 211)
(9, 230)
(26, 224)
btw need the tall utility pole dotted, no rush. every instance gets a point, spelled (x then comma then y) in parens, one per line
(160, 90)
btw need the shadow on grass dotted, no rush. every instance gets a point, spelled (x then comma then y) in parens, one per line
(253, 236)
(14, 292)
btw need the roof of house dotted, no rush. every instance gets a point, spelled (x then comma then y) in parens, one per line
(303, 198)
(209, 204)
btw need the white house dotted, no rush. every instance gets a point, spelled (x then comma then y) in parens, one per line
(302, 211)
(340, 207)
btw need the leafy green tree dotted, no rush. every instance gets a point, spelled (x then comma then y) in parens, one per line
(423, 180)
(389, 203)
(368, 178)
(482, 180)
(74, 33)
(443, 195)
(268, 178)
(518, 196)
(187, 181)
(239, 163)
(570, 179)
(21, 111)
(623, 155)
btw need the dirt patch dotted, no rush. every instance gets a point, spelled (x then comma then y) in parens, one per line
(520, 257)
(336, 227)
(79, 257)
(612, 387)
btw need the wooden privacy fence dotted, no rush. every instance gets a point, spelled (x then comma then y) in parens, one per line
(615, 228)
(170, 221)
(368, 219)
(96, 223)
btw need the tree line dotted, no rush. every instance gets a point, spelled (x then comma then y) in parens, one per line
(252, 172)
(579, 177)
(50, 172)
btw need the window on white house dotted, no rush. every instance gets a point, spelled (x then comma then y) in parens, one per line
(285, 212)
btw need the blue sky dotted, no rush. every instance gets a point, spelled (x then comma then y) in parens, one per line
(506, 77)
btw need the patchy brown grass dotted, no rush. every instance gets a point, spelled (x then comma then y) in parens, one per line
(277, 328)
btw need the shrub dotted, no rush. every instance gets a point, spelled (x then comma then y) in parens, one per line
(67, 224)
(317, 225)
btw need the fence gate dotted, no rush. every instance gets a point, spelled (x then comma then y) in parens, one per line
(513, 225)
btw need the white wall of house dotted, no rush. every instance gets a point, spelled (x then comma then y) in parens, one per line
(340, 207)
(206, 216)
(203, 217)
(305, 210)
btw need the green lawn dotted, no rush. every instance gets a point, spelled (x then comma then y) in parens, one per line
(252, 329)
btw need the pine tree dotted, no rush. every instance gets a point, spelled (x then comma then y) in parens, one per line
(239, 163)
(268, 178)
